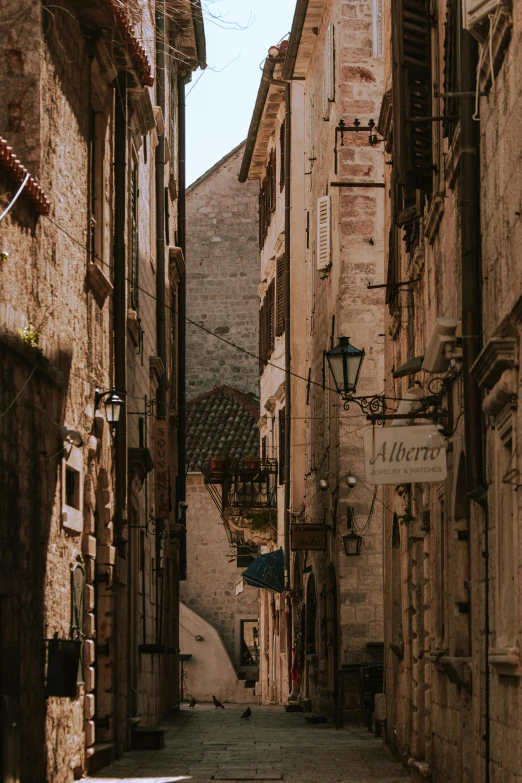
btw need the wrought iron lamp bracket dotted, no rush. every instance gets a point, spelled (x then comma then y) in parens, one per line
(374, 406)
(152, 528)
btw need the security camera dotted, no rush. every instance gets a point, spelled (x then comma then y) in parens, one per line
(436, 358)
(351, 481)
(323, 485)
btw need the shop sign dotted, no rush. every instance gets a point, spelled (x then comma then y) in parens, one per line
(161, 469)
(400, 455)
(308, 537)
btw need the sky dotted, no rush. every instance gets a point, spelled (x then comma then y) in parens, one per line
(220, 104)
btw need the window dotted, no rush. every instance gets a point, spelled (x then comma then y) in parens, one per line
(263, 448)
(280, 295)
(173, 347)
(412, 91)
(507, 543)
(451, 67)
(244, 556)
(72, 490)
(134, 238)
(270, 317)
(267, 197)
(72, 487)
(393, 271)
(311, 616)
(323, 233)
(249, 642)
(282, 451)
(262, 338)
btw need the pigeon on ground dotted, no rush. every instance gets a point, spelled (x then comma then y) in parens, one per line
(217, 703)
(192, 702)
(247, 713)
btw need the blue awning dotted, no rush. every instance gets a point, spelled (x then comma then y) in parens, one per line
(267, 571)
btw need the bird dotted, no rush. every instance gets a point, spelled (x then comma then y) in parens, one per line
(247, 713)
(192, 702)
(217, 703)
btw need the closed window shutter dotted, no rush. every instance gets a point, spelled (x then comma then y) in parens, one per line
(281, 446)
(270, 317)
(271, 174)
(280, 296)
(393, 271)
(262, 339)
(412, 141)
(451, 67)
(323, 232)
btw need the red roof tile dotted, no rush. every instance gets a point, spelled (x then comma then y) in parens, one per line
(17, 172)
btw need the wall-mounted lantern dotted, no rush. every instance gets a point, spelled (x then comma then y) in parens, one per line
(113, 404)
(345, 362)
(351, 540)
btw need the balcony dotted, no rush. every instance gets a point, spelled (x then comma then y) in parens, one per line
(245, 493)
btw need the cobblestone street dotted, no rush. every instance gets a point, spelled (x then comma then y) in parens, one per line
(208, 744)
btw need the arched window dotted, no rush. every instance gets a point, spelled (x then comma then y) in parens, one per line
(311, 614)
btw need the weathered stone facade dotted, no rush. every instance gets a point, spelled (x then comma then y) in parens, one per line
(74, 572)
(331, 612)
(222, 279)
(452, 563)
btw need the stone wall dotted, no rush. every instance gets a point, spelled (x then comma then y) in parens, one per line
(222, 279)
(212, 573)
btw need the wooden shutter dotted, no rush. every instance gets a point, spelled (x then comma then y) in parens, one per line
(270, 317)
(393, 271)
(271, 176)
(262, 338)
(280, 296)
(323, 233)
(451, 67)
(412, 104)
(134, 292)
(281, 445)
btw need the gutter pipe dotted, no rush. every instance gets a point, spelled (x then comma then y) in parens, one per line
(288, 344)
(295, 38)
(182, 332)
(161, 314)
(266, 81)
(120, 375)
(471, 325)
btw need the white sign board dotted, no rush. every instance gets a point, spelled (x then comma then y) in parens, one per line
(239, 587)
(399, 455)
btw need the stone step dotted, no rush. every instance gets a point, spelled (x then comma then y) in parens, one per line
(101, 754)
(152, 738)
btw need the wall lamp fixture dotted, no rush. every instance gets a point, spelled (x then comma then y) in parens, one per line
(112, 402)
(343, 128)
(351, 540)
(345, 362)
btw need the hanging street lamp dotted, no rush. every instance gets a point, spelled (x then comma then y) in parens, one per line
(345, 362)
(351, 540)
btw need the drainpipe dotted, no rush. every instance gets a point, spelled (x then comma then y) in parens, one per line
(120, 367)
(286, 289)
(471, 321)
(161, 338)
(182, 328)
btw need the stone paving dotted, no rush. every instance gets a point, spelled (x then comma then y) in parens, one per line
(206, 744)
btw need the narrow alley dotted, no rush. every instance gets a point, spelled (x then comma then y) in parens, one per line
(208, 744)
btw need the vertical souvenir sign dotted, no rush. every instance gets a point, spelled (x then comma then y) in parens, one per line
(161, 469)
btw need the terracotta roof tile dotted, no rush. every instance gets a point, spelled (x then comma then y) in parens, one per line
(17, 172)
(221, 421)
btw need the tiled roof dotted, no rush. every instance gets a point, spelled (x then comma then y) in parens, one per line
(17, 172)
(222, 421)
(136, 50)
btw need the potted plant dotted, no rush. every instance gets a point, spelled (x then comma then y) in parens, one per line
(251, 462)
(218, 462)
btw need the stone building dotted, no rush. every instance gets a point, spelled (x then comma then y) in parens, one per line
(321, 219)
(222, 280)
(216, 604)
(452, 547)
(88, 597)
(223, 411)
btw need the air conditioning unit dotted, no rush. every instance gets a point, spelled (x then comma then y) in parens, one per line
(475, 12)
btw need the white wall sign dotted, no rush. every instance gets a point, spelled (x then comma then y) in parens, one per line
(239, 587)
(399, 455)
